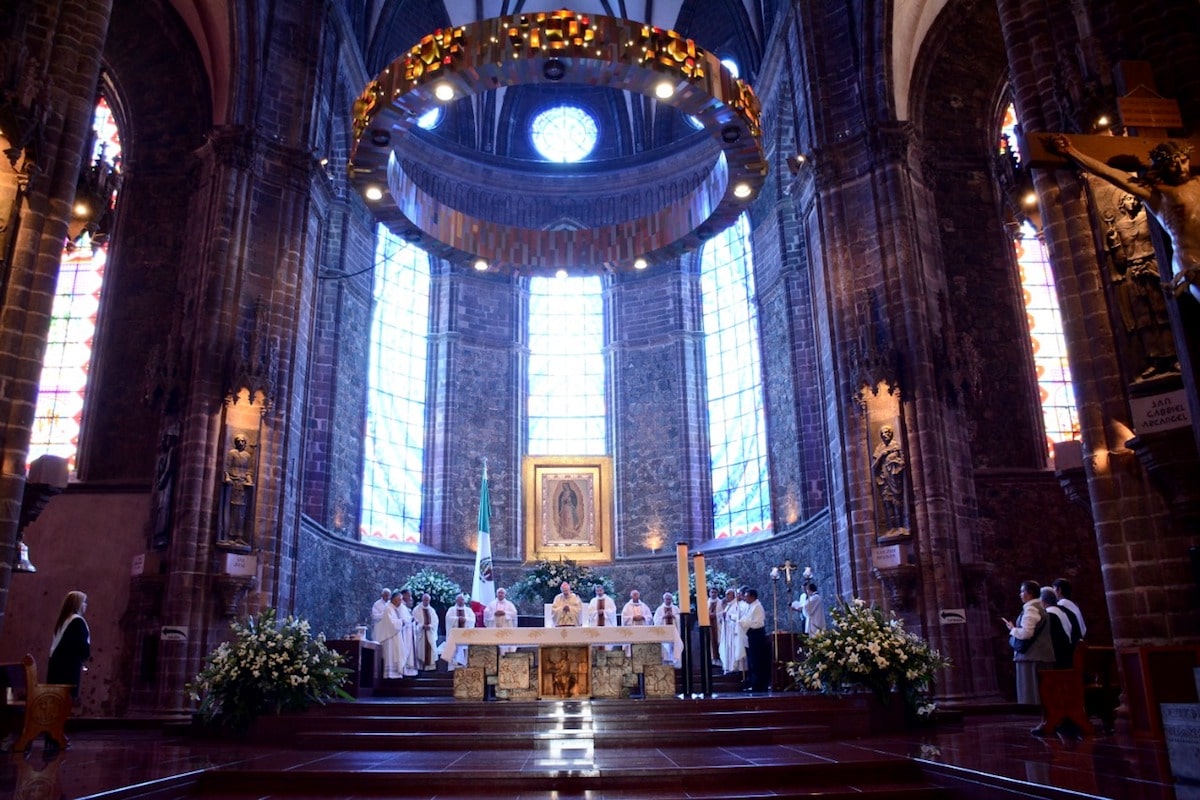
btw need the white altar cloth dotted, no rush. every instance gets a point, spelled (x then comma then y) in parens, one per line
(545, 637)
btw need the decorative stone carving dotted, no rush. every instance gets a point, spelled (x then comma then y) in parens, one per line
(659, 680)
(900, 583)
(514, 670)
(231, 592)
(469, 683)
(485, 657)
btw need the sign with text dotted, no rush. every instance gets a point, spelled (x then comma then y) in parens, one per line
(241, 565)
(953, 616)
(1161, 412)
(884, 557)
(174, 633)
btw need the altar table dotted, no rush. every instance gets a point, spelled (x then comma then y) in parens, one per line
(545, 637)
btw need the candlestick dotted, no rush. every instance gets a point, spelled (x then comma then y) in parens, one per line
(701, 590)
(681, 570)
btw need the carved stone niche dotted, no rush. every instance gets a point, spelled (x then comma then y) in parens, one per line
(1171, 462)
(1068, 468)
(901, 584)
(231, 592)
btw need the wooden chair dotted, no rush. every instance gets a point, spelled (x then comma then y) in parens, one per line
(34, 708)
(1090, 687)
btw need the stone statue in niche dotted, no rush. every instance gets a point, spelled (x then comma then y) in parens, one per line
(1141, 302)
(237, 495)
(887, 469)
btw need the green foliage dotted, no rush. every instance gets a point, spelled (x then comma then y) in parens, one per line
(714, 579)
(863, 647)
(442, 590)
(267, 668)
(541, 583)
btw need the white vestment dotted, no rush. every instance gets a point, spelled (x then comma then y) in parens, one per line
(407, 634)
(601, 607)
(566, 611)
(636, 614)
(391, 635)
(716, 620)
(378, 612)
(500, 614)
(459, 618)
(733, 641)
(425, 618)
(668, 615)
(813, 609)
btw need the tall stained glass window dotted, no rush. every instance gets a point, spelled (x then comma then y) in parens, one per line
(566, 399)
(737, 428)
(58, 418)
(1055, 390)
(394, 448)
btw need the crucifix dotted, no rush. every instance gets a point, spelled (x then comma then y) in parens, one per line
(1169, 191)
(788, 568)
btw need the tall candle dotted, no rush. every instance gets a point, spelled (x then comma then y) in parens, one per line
(681, 570)
(701, 589)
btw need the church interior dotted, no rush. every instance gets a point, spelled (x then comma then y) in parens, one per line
(887, 294)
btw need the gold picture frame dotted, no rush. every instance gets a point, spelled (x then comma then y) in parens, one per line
(568, 508)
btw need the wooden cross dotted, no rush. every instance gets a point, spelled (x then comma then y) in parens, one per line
(1145, 115)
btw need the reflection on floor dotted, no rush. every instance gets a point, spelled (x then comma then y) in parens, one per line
(99, 763)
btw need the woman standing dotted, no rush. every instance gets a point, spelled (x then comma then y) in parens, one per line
(72, 644)
(1032, 650)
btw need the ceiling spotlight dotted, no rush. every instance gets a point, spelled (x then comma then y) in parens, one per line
(554, 70)
(81, 209)
(742, 190)
(374, 193)
(1103, 121)
(562, 273)
(1029, 200)
(443, 92)
(664, 90)
(380, 138)
(481, 265)
(640, 263)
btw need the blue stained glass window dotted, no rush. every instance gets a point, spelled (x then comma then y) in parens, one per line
(567, 409)
(565, 134)
(737, 427)
(394, 446)
(58, 417)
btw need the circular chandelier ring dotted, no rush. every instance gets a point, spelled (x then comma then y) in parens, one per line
(548, 47)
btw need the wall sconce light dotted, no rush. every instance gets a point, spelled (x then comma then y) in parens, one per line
(797, 162)
(481, 265)
(742, 190)
(373, 193)
(640, 263)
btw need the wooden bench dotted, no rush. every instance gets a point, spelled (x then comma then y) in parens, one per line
(1089, 688)
(33, 708)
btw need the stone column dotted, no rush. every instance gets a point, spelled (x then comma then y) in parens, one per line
(56, 81)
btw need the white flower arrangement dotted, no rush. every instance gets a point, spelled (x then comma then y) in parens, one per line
(267, 668)
(541, 584)
(863, 647)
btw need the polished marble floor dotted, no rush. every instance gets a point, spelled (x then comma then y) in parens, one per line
(998, 745)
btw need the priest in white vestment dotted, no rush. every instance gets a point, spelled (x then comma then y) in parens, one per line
(378, 611)
(501, 613)
(716, 610)
(404, 610)
(733, 641)
(602, 610)
(425, 617)
(392, 637)
(635, 612)
(668, 614)
(567, 609)
(459, 616)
